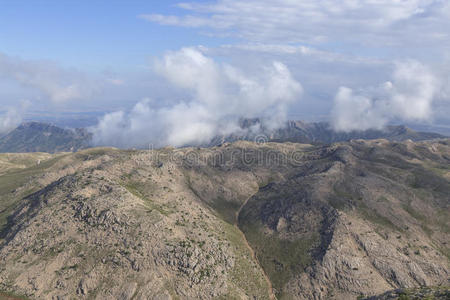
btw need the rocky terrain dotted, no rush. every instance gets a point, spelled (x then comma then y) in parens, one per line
(43, 137)
(238, 221)
(435, 293)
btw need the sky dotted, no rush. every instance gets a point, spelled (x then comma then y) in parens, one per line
(181, 72)
(90, 35)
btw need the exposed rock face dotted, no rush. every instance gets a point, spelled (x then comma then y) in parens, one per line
(117, 226)
(243, 220)
(361, 218)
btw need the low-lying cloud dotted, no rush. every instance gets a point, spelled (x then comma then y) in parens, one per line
(219, 95)
(12, 117)
(409, 96)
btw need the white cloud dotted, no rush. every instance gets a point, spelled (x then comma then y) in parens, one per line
(220, 94)
(413, 91)
(188, 21)
(408, 97)
(356, 112)
(12, 117)
(116, 81)
(328, 44)
(296, 51)
(318, 21)
(53, 82)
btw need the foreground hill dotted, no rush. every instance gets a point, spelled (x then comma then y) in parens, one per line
(240, 221)
(42, 137)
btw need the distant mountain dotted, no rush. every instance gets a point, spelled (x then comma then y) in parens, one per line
(320, 133)
(43, 137)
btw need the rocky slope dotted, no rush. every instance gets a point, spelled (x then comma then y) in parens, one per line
(42, 137)
(435, 293)
(240, 221)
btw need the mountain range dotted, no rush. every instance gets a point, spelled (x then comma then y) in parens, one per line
(318, 133)
(43, 137)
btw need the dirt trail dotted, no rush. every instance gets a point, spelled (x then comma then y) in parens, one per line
(253, 254)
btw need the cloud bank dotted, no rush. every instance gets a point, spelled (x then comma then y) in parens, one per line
(408, 97)
(219, 94)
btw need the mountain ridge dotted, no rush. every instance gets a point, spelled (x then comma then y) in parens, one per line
(324, 221)
(319, 132)
(45, 137)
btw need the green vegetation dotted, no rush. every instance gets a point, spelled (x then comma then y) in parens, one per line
(142, 191)
(403, 297)
(423, 179)
(419, 217)
(11, 296)
(374, 217)
(280, 258)
(443, 220)
(246, 273)
(94, 153)
(412, 212)
(426, 293)
(226, 209)
(16, 178)
(343, 199)
(438, 169)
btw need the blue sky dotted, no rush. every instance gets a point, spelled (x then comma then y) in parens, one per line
(91, 35)
(358, 64)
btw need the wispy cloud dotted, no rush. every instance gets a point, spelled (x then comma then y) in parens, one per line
(307, 52)
(53, 81)
(313, 21)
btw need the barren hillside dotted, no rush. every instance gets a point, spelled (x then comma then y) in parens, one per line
(239, 221)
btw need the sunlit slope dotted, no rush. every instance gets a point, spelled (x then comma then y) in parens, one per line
(243, 220)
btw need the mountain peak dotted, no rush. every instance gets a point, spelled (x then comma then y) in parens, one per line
(44, 137)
